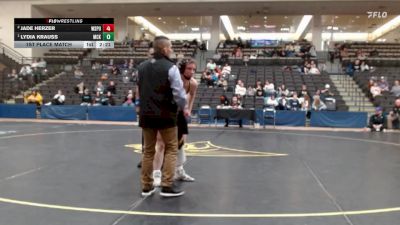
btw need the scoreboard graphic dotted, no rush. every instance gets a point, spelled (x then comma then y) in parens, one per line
(64, 33)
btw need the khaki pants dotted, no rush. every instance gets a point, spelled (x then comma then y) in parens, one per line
(390, 120)
(170, 138)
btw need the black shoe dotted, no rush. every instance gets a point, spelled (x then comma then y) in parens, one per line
(240, 126)
(148, 192)
(226, 125)
(171, 192)
(139, 165)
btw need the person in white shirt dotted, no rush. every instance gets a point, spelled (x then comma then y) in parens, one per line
(269, 88)
(375, 90)
(314, 70)
(271, 102)
(240, 89)
(226, 70)
(211, 65)
(58, 99)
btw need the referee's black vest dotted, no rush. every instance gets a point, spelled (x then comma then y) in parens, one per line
(157, 106)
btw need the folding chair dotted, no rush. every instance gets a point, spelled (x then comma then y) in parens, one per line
(269, 113)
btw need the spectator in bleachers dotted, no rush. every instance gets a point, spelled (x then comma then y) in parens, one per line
(313, 69)
(312, 51)
(271, 102)
(86, 98)
(396, 88)
(282, 90)
(357, 65)
(99, 87)
(58, 99)
(224, 101)
(226, 70)
(294, 103)
(303, 92)
(377, 121)
(269, 88)
(235, 104)
(129, 99)
(281, 52)
(79, 88)
(97, 100)
(125, 65)
(237, 52)
(240, 89)
(26, 71)
(305, 105)
(317, 104)
(364, 66)
(112, 88)
(13, 75)
(96, 66)
(326, 93)
(34, 98)
(383, 84)
(250, 91)
(282, 103)
(211, 65)
(131, 64)
(393, 118)
(78, 74)
(375, 90)
(115, 71)
(107, 99)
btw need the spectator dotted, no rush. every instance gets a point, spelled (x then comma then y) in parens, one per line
(112, 88)
(271, 102)
(317, 104)
(269, 88)
(224, 102)
(283, 103)
(25, 71)
(282, 90)
(364, 66)
(303, 92)
(115, 71)
(375, 90)
(58, 99)
(326, 93)
(129, 99)
(396, 88)
(240, 89)
(357, 65)
(13, 75)
(294, 103)
(305, 105)
(86, 98)
(99, 87)
(78, 73)
(250, 91)
(235, 104)
(394, 115)
(377, 121)
(131, 64)
(226, 70)
(383, 84)
(211, 65)
(313, 70)
(97, 100)
(107, 99)
(34, 98)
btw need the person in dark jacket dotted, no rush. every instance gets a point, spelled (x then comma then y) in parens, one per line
(377, 121)
(161, 94)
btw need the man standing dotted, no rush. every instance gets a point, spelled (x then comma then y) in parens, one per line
(161, 95)
(187, 69)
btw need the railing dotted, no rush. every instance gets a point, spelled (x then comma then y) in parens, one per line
(14, 55)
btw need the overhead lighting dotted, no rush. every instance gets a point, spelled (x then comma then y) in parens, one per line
(269, 26)
(178, 18)
(285, 29)
(357, 17)
(146, 24)
(159, 18)
(385, 28)
(285, 17)
(195, 29)
(265, 17)
(228, 25)
(241, 28)
(335, 28)
(381, 40)
(336, 17)
(302, 26)
(329, 28)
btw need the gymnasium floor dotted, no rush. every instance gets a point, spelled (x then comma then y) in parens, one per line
(72, 174)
